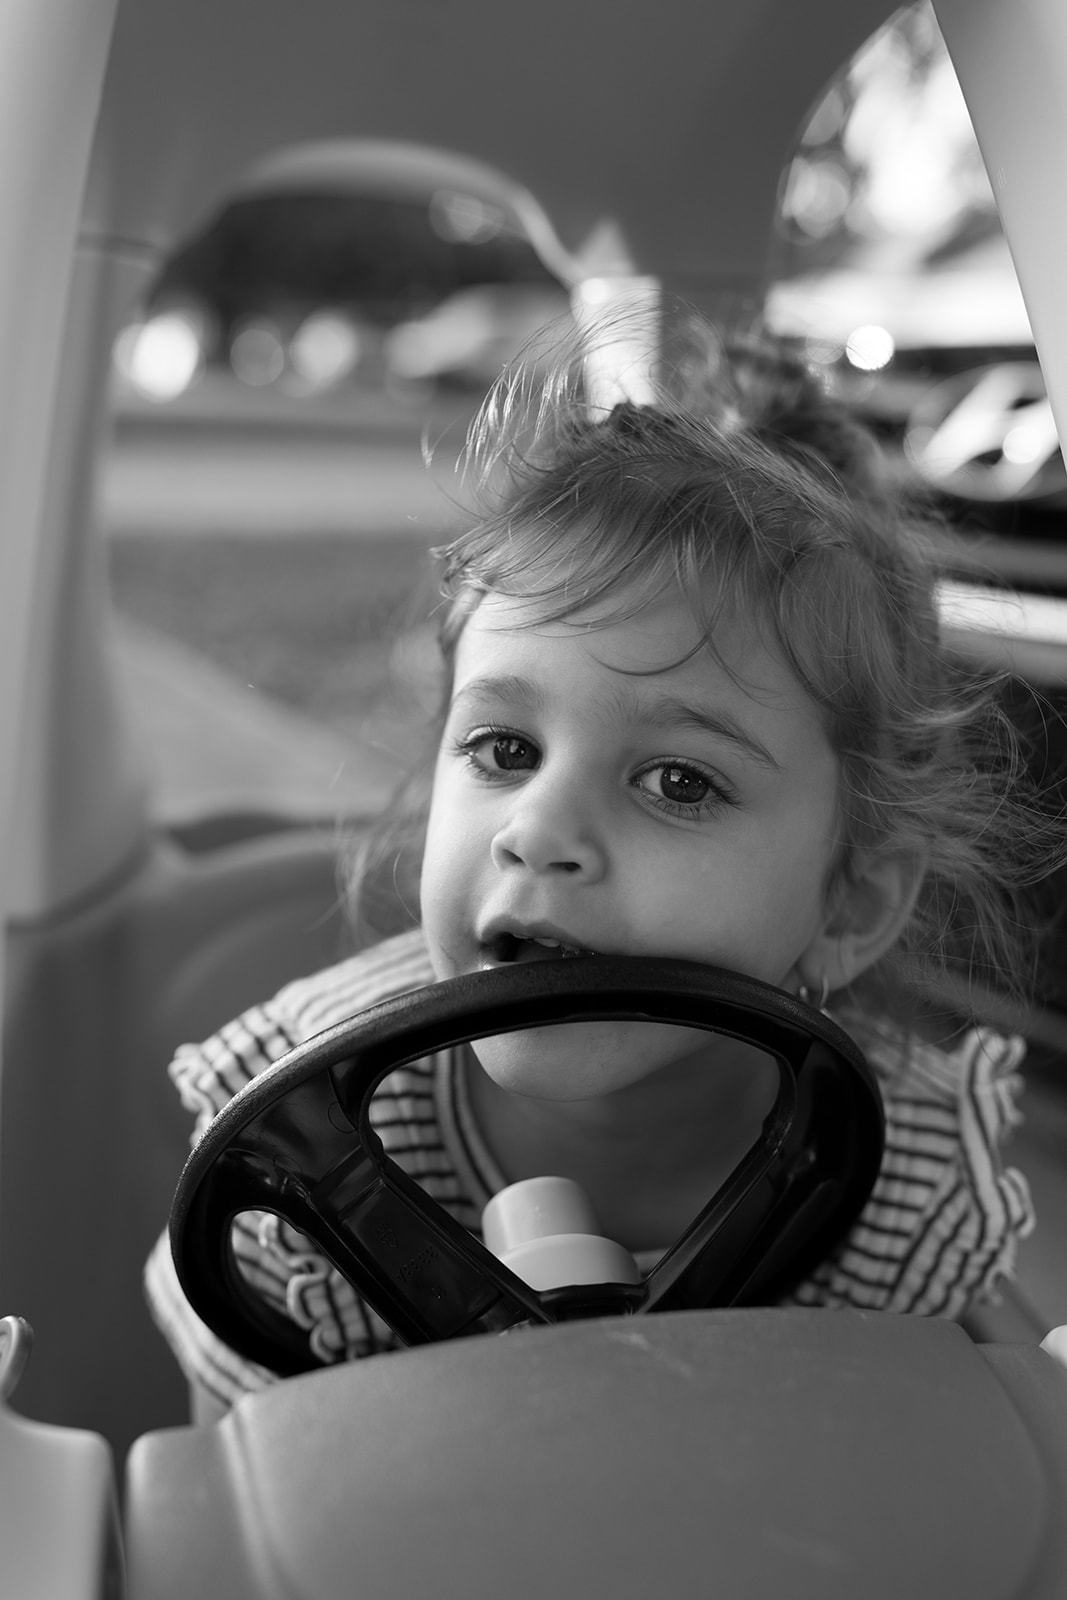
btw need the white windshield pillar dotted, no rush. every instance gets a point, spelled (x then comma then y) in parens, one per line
(52, 63)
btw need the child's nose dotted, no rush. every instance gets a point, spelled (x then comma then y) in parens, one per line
(545, 832)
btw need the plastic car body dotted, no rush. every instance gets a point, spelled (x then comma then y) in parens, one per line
(638, 142)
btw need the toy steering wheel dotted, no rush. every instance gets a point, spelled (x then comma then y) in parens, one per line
(297, 1141)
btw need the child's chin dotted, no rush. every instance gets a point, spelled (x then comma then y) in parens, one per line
(582, 1060)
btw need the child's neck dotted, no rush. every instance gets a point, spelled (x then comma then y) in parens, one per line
(649, 1156)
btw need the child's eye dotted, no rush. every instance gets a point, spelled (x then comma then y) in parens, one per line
(682, 789)
(493, 750)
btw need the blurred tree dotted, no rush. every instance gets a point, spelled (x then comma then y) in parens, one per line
(887, 163)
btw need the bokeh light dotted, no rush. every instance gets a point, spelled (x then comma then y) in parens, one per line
(162, 356)
(1023, 444)
(817, 195)
(870, 347)
(257, 354)
(325, 349)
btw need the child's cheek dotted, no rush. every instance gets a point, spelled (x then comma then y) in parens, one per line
(446, 892)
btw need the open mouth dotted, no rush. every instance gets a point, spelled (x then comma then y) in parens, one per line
(506, 948)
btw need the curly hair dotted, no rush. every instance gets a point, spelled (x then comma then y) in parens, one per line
(746, 485)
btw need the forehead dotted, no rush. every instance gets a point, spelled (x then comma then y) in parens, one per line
(664, 649)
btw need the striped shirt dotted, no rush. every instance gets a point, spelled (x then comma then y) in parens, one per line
(939, 1230)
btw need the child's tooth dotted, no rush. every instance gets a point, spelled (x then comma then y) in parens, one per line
(564, 949)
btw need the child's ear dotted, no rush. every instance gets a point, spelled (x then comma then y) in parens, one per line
(865, 916)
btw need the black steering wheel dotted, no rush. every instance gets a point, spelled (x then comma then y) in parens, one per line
(297, 1141)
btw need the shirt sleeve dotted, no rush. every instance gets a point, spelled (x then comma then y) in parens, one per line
(272, 1256)
(943, 1223)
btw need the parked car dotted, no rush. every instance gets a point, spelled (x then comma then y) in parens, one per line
(307, 275)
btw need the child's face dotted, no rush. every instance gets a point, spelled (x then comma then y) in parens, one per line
(584, 798)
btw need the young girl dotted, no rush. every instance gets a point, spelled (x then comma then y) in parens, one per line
(697, 705)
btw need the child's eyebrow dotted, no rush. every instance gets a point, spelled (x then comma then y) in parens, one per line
(661, 710)
(676, 713)
(508, 686)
